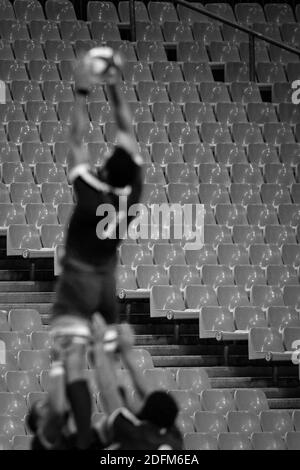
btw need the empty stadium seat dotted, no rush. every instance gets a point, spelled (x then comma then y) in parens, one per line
(247, 235)
(262, 214)
(160, 378)
(293, 440)
(197, 153)
(182, 276)
(52, 235)
(267, 441)
(261, 153)
(233, 441)
(125, 278)
(289, 214)
(231, 215)
(198, 296)
(231, 112)
(264, 343)
(26, 320)
(291, 296)
(217, 275)
(248, 276)
(11, 426)
(281, 317)
(215, 133)
(141, 12)
(183, 133)
(184, 423)
(214, 92)
(206, 255)
(232, 296)
(281, 275)
(187, 400)
(266, 296)
(41, 340)
(148, 275)
(244, 422)
(11, 214)
(21, 442)
(228, 153)
(34, 361)
(224, 52)
(22, 382)
(150, 51)
(175, 32)
(148, 31)
(231, 255)
(195, 379)
(102, 11)
(56, 193)
(207, 32)
(253, 400)
(245, 193)
(291, 254)
(216, 322)
(249, 13)
(23, 237)
(216, 234)
(166, 300)
(197, 72)
(200, 441)
(210, 421)
(182, 193)
(62, 10)
(33, 152)
(249, 317)
(263, 255)
(27, 50)
(220, 401)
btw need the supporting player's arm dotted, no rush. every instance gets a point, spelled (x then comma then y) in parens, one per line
(104, 370)
(125, 347)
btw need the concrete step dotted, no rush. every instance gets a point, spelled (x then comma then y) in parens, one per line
(197, 361)
(26, 286)
(253, 382)
(26, 297)
(265, 370)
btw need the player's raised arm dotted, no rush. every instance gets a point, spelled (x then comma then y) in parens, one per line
(123, 117)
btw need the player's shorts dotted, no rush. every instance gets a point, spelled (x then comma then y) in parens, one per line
(83, 290)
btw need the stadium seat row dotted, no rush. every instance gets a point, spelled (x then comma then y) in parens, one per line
(24, 90)
(157, 12)
(272, 173)
(160, 153)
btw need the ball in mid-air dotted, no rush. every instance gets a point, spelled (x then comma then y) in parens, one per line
(102, 62)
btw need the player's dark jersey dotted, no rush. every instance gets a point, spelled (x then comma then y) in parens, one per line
(93, 233)
(129, 433)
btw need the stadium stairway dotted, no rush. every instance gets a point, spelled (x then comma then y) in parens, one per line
(171, 345)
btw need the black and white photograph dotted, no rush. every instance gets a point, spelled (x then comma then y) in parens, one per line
(149, 230)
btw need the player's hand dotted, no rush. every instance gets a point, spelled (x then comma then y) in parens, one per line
(125, 338)
(82, 75)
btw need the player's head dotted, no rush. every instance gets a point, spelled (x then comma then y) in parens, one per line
(159, 409)
(120, 170)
